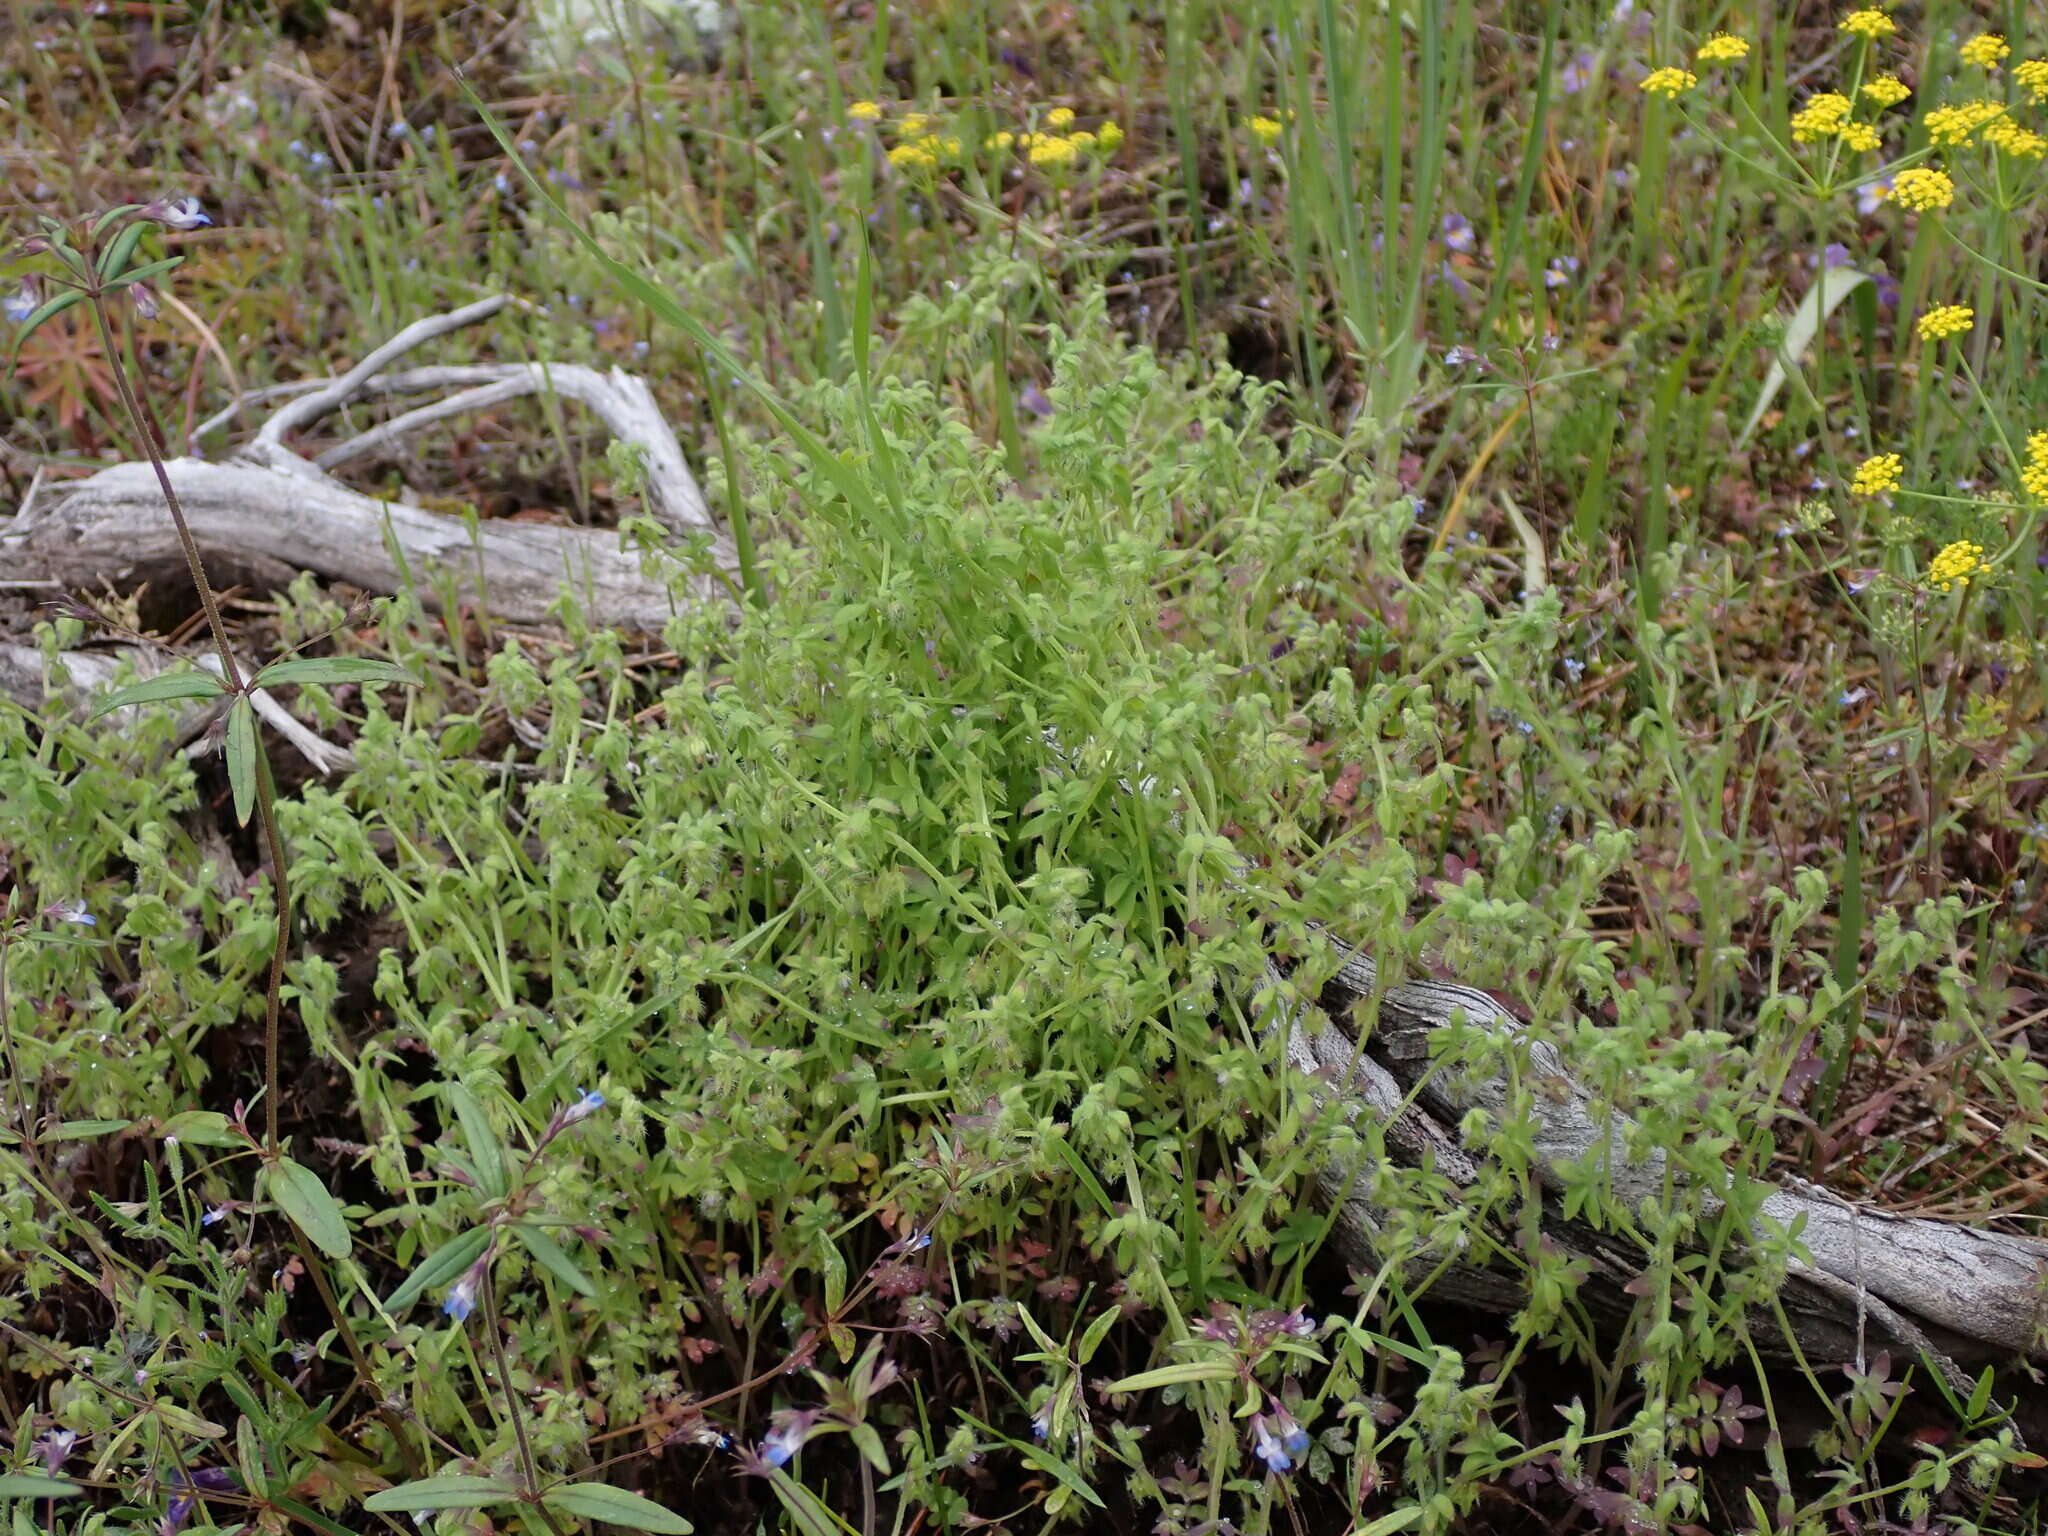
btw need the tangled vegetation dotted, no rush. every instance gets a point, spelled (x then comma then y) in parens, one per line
(1549, 494)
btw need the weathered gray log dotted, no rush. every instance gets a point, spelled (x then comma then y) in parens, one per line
(267, 513)
(1948, 1294)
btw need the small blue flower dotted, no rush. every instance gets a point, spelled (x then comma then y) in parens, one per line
(72, 911)
(23, 301)
(1269, 1447)
(587, 1104)
(175, 213)
(787, 1438)
(55, 1447)
(461, 1298)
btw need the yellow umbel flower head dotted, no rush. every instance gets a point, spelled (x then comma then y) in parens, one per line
(1722, 48)
(1669, 81)
(915, 125)
(1108, 136)
(1956, 564)
(1875, 476)
(2034, 474)
(1923, 189)
(1985, 51)
(864, 112)
(1886, 90)
(1053, 152)
(1821, 118)
(2032, 77)
(1945, 320)
(1861, 137)
(1264, 129)
(1950, 126)
(1059, 117)
(2008, 137)
(1869, 24)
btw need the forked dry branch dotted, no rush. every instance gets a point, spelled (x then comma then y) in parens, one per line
(268, 512)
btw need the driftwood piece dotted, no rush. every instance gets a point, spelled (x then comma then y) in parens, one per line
(267, 513)
(25, 679)
(1950, 1295)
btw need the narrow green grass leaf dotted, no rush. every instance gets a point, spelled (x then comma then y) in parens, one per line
(24, 1485)
(1832, 286)
(241, 755)
(806, 1511)
(1085, 1174)
(332, 669)
(121, 250)
(439, 1267)
(195, 684)
(550, 1256)
(201, 1128)
(1188, 1371)
(441, 1493)
(486, 1151)
(301, 1195)
(47, 311)
(615, 1506)
(82, 1130)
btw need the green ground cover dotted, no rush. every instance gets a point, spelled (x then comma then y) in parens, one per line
(1550, 492)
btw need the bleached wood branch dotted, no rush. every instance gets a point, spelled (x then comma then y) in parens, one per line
(268, 513)
(1953, 1294)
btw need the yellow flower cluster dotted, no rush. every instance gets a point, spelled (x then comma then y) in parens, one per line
(1265, 129)
(1985, 50)
(1722, 48)
(1922, 189)
(1877, 475)
(1945, 320)
(864, 112)
(1670, 81)
(1055, 150)
(2032, 77)
(1950, 126)
(1861, 136)
(2009, 137)
(924, 155)
(1869, 24)
(1956, 564)
(1887, 90)
(2034, 474)
(1822, 117)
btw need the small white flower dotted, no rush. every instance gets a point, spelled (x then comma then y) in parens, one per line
(177, 213)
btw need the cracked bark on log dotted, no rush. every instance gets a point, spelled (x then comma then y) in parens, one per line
(1952, 1295)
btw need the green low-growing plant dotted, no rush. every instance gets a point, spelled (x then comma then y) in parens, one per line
(816, 1071)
